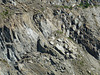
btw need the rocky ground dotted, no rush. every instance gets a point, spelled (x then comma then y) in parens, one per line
(49, 37)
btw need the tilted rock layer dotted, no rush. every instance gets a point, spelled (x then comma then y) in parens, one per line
(49, 37)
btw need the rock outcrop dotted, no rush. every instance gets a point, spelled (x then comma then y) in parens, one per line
(49, 37)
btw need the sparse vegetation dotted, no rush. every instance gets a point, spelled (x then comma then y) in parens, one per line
(58, 6)
(59, 32)
(84, 5)
(66, 7)
(6, 13)
(70, 7)
(42, 9)
(69, 38)
(3, 60)
(82, 63)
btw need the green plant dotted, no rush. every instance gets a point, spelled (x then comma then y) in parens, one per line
(65, 6)
(84, 5)
(69, 38)
(58, 6)
(3, 60)
(59, 32)
(97, 6)
(6, 12)
(70, 7)
(82, 63)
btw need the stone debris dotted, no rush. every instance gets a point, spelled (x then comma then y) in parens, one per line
(60, 48)
(59, 40)
(49, 37)
(66, 46)
(72, 56)
(51, 42)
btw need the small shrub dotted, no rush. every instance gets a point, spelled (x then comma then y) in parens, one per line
(59, 32)
(82, 63)
(65, 6)
(3, 60)
(70, 7)
(69, 38)
(6, 12)
(84, 5)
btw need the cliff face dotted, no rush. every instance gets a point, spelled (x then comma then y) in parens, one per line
(49, 37)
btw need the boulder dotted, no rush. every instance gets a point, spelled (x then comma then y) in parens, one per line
(76, 21)
(59, 40)
(66, 46)
(67, 33)
(52, 38)
(51, 42)
(78, 32)
(60, 49)
(72, 56)
(30, 61)
(67, 56)
(74, 27)
(80, 24)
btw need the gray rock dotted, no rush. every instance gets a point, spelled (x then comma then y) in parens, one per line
(24, 1)
(67, 33)
(72, 56)
(70, 14)
(60, 48)
(47, 27)
(32, 34)
(25, 38)
(51, 42)
(59, 40)
(52, 38)
(80, 24)
(76, 21)
(0, 1)
(66, 46)
(74, 27)
(13, 2)
(67, 55)
(1, 73)
(30, 61)
(78, 32)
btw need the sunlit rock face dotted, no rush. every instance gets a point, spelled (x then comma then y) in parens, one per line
(49, 37)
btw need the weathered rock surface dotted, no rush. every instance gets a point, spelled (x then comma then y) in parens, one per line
(49, 37)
